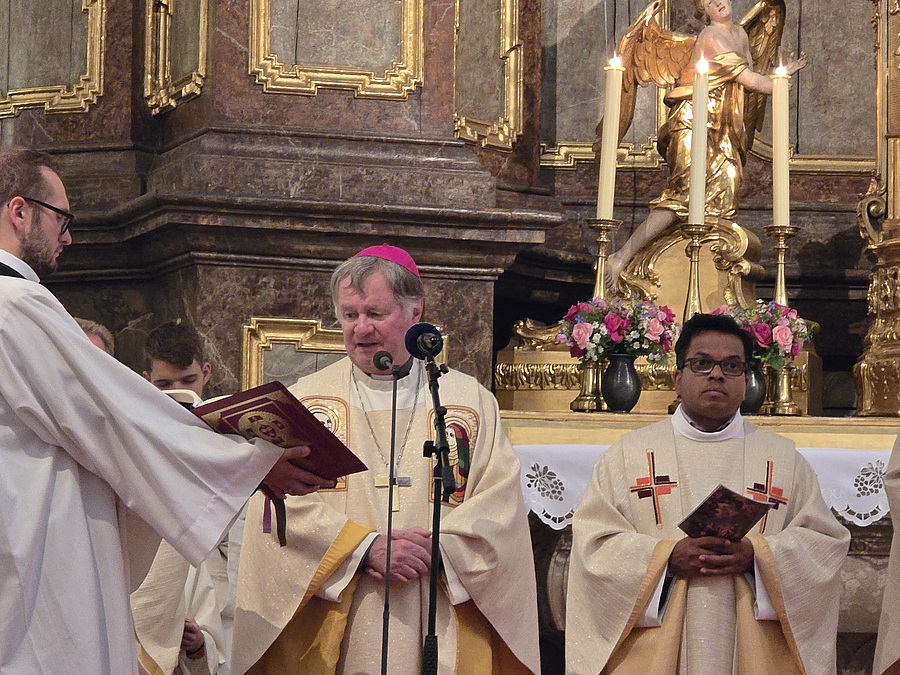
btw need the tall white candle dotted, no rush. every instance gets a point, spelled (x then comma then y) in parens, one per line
(781, 149)
(609, 142)
(697, 191)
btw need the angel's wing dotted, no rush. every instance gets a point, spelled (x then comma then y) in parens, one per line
(649, 53)
(764, 24)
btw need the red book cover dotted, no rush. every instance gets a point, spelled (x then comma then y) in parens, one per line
(272, 413)
(724, 513)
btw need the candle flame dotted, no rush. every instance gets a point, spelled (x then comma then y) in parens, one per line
(702, 65)
(615, 62)
(781, 71)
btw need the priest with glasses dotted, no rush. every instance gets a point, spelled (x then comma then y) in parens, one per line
(643, 597)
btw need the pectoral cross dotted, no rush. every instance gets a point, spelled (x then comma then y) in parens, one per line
(400, 481)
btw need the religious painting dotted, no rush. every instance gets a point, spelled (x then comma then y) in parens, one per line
(462, 434)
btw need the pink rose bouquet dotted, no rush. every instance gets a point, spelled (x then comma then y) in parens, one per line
(778, 332)
(599, 327)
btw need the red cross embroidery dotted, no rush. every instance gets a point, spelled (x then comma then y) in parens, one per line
(767, 493)
(653, 485)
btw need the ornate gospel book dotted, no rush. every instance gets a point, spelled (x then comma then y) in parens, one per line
(272, 413)
(724, 513)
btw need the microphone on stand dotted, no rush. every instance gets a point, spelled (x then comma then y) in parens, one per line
(424, 340)
(382, 360)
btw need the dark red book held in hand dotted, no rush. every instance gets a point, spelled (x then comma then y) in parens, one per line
(724, 513)
(273, 413)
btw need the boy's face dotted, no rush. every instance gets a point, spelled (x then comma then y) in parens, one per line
(165, 375)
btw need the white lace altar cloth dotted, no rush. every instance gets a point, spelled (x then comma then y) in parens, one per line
(554, 478)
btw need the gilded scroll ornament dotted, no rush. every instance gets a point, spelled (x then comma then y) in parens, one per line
(75, 96)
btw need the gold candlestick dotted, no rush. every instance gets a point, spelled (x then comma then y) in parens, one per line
(780, 233)
(695, 232)
(604, 228)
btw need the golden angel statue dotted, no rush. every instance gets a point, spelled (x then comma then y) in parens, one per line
(737, 55)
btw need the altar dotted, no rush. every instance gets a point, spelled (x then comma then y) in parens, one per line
(557, 452)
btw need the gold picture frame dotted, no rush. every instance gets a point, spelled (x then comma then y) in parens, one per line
(160, 91)
(397, 82)
(503, 131)
(270, 337)
(283, 349)
(67, 97)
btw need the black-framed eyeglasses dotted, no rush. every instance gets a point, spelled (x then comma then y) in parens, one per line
(732, 366)
(68, 218)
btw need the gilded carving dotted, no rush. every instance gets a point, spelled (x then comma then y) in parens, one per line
(482, 125)
(733, 250)
(174, 71)
(278, 73)
(64, 97)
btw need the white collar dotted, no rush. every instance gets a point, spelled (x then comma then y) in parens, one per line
(18, 265)
(683, 426)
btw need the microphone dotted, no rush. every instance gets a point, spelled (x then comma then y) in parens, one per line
(424, 340)
(382, 360)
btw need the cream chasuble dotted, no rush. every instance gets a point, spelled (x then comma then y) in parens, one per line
(624, 531)
(887, 651)
(283, 626)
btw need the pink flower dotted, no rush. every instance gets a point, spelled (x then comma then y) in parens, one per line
(653, 329)
(616, 326)
(670, 315)
(762, 333)
(581, 334)
(783, 337)
(720, 310)
(795, 348)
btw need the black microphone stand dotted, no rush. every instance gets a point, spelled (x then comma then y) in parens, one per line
(444, 485)
(392, 481)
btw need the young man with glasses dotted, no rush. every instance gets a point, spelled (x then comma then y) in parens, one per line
(81, 437)
(643, 596)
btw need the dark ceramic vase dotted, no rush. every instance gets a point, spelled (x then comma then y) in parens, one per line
(756, 389)
(620, 384)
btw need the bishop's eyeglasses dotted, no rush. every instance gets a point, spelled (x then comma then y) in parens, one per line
(732, 366)
(67, 218)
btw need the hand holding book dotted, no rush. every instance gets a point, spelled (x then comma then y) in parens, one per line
(314, 457)
(724, 513)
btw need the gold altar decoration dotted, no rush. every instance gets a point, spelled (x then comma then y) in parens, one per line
(393, 77)
(727, 270)
(87, 35)
(164, 88)
(877, 372)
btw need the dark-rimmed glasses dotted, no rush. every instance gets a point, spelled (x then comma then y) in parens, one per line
(67, 217)
(732, 366)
